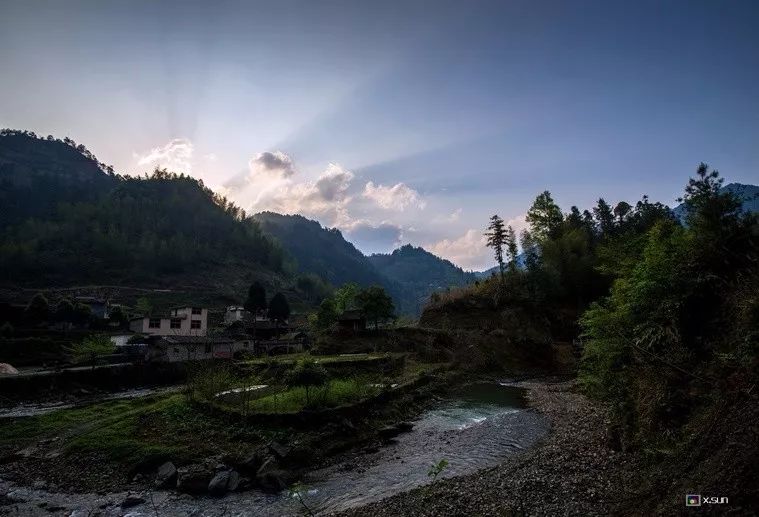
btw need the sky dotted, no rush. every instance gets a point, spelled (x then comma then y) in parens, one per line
(396, 122)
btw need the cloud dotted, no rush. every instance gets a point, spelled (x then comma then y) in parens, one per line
(175, 156)
(468, 251)
(325, 199)
(271, 164)
(374, 238)
(397, 197)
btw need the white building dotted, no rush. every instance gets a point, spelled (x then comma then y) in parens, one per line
(182, 321)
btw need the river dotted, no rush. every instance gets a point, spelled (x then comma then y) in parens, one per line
(475, 427)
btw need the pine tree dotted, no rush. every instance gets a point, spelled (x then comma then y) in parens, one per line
(511, 248)
(496, 235)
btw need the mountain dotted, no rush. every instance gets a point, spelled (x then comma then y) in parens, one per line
(748, 193)
(68, 220)
(319, 250)
(420, 273)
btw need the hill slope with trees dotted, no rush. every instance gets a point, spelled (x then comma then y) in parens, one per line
(68, 219)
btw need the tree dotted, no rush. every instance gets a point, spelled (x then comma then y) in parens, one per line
(255, 303)
(530, 249)
(64, 311)
(511, 248)
(307, 374)
(327, 314)
(376, 304)
(544, 217)
(345, 297)
(117, 316)
(711, 212)
(496, 235)
(143, 306)
(91, 348)
(604, 217)
(38, 309)
(621, 211)
(256, 300)
(82, 314)
(279, 309)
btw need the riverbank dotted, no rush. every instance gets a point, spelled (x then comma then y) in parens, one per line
(572, 471)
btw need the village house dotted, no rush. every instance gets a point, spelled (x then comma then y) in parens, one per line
(352, 319)
(181, 321)
(195, 348)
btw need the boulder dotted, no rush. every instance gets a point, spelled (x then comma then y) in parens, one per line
(252, 462)
(217, 487)
(279, 451)
(193, 479)
(233, 483)
(166, 477)
(271, 477)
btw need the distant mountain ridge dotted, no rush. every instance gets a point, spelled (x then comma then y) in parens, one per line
(420, 273)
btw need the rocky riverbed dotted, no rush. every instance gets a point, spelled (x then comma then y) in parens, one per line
(572, 471)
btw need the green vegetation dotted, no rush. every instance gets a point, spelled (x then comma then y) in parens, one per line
(307, 374)
(83, 224)
(375, 304)
(682, 315)
(91, 348)
(152, 429)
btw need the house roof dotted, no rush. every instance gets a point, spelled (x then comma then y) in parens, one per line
(196, 340)
(293, 335)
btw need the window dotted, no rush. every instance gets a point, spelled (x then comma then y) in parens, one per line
(154, 323)
(176, 323)
(195, 324)
(196, 310)
(209, 349)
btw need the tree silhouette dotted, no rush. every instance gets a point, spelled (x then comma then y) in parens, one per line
(279, 309)
(544, 217)
(376, 304)
(496, 235)
(511, 248)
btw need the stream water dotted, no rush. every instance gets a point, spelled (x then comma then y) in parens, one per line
(476, 427)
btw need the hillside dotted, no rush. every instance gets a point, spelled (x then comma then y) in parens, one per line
(420, 273)
(319, 250)
(67, 221)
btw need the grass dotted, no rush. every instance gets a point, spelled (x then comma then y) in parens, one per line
(336, 392)
(131, 431)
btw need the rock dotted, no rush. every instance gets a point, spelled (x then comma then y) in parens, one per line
(166, 477)
(252, 462)
(279, 451)
(234, 481)
(270, 476)
(28, 452)
(132, 500)
(193, 479)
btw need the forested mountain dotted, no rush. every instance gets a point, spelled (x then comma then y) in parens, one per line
(68, 219)
(319, 250)
(420, 273)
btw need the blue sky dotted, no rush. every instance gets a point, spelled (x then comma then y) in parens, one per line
(396, 121)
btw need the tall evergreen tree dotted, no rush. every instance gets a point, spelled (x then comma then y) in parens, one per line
(496, 235)
(511, 248)
(604, 217)
(544, 217)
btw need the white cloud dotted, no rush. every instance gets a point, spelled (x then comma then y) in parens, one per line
(397, 197)
(469, 251)
(326, 198)
(175, 156)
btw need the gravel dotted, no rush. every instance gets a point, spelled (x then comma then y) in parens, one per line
(572, 471)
